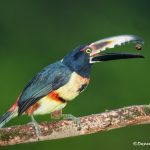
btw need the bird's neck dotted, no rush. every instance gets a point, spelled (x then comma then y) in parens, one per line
(82, 70)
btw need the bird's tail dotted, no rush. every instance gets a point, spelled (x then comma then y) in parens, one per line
(11, 113)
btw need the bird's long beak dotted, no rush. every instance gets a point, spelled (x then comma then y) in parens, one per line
(98, 47)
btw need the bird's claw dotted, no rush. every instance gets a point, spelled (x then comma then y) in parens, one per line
(36, 127)
(73, 118)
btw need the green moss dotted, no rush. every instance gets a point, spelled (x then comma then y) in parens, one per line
(133, 115)
(5, 136)
(136, 114)
(128, 117)
(147, 110)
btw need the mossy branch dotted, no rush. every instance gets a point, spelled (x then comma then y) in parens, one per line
(105, 121)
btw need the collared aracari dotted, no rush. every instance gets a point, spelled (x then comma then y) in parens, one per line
(51, 89)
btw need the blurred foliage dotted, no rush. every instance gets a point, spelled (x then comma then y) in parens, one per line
(35, 33)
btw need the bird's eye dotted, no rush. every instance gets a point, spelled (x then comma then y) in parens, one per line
(88, 50)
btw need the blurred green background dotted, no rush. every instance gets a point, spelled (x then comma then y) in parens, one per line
(35, 33)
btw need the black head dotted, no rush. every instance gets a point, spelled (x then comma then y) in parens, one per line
(81, 58)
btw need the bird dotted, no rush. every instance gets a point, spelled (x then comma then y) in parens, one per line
(50, 90)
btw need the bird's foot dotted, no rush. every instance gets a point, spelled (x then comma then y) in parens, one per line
(36, 126)
(56, 114)
(73, 118)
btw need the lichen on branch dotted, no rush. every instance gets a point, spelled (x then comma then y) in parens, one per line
(132, 115)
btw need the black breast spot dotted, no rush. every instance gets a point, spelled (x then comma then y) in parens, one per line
(82, 87)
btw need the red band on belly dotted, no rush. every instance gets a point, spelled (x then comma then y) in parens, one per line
(55, 96)
(32, 108)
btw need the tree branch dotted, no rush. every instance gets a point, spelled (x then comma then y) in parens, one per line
(105, 121)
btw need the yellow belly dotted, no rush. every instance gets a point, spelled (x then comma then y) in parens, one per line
(70, 90)
(48, 105)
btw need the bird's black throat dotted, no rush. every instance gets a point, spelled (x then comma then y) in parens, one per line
(78, 61)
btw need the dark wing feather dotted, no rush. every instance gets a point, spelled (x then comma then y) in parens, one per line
(50, 78)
